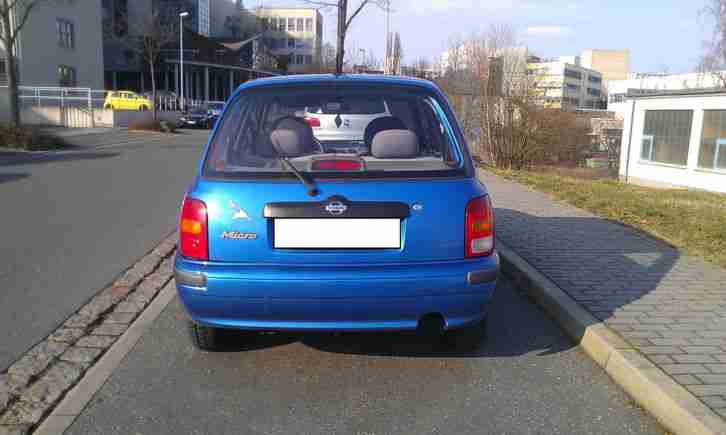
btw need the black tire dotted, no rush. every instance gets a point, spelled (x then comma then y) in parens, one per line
(469, 338)
(108, 106)
(204, 337)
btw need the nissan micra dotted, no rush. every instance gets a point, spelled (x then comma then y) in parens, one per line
(287, 227)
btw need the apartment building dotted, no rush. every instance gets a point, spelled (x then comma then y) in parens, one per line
(60, 45)
(293, 32)
(612, 64)
(199, 19)
(564, 84)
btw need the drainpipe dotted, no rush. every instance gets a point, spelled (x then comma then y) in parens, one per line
(630, 141)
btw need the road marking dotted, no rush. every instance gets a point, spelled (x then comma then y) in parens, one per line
(63, 416)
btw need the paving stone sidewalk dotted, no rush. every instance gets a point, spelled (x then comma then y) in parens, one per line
(670, 306)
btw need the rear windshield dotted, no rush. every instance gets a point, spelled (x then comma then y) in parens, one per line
(374, 132)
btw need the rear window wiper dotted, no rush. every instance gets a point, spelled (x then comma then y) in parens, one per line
(309, 183)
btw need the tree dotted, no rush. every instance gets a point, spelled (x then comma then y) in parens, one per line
(147, 39)
(714, 59)
(345, 20)
(14, 14)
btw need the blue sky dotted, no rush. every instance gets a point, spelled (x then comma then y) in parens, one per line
(662, 35)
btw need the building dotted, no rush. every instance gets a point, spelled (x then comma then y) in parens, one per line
(293, 33)
(226, 19)
(612, 64)
(649, 83)
(675, 139)
(199, 19)
(60, 45)
(564, 85)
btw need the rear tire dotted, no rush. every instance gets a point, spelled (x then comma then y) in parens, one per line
(204, 337)
(107, 106)
(469, 338)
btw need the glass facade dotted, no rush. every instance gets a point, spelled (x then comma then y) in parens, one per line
(666, 136)
(712, 153)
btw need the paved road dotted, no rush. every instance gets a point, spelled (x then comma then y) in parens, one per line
(71, 221)
(528, 380)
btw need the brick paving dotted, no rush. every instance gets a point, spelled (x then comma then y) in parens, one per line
(670, 306)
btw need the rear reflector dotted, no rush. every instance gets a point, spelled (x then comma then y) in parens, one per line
(337, 165)
(479, 228)
(193, 238)
(312, 122)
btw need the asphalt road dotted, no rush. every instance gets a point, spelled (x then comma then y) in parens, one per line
(70, 222)
(527, 380)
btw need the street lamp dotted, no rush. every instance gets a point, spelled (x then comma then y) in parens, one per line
(181, 57)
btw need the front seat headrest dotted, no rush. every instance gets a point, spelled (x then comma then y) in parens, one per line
(380, 124)
(293, 137)
(395, 144)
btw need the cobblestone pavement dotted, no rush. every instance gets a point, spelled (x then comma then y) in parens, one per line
(670, 306)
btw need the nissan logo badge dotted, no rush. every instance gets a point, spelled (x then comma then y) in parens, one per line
(336, 208)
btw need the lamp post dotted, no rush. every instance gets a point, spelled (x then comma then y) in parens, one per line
(181, 58)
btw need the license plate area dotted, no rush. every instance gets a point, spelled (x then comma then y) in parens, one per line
(348, 233)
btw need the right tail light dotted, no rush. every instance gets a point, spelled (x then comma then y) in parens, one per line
(479, 227)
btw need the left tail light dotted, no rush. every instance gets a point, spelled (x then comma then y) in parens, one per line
(479, 228)
(193, 237)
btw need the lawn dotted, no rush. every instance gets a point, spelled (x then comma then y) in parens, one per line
(694, 222)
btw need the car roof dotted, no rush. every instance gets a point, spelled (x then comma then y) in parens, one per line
(373, 79)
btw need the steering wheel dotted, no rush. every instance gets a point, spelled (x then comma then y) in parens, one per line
(276, 123)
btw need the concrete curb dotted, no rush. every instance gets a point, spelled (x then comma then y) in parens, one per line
(672, 405)
(73, 404)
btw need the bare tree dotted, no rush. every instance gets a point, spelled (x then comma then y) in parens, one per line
(147, 39)
(14, 14)
(345, 20)
(713, 60)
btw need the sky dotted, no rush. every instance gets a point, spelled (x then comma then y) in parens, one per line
(662, 35)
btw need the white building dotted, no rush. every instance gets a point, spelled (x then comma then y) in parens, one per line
(564, 84)
(60, 45)
(675, 139)
(293, 32)
(643, 83)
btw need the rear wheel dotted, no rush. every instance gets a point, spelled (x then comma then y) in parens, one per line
(107, 106)
(143, 108)
(204, 337)
(471, 337)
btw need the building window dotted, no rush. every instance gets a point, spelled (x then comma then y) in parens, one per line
(594, 79)
(712, 154)
(299, 59)
(66, 76)
(65, 33)
(265, 24)
(572, 88)
(3, 73)
(593, 92)
(573, 74)
(308, 24)
(309, 61)
(290, 42)
(291, 24)
(300, 24)
(666, 136)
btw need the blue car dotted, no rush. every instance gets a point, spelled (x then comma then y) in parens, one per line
(285, 228)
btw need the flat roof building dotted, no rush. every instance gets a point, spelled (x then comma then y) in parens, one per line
(293, 32)
(564, 85)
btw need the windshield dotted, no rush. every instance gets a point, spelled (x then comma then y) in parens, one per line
(374, 132)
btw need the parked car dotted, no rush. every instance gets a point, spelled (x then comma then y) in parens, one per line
(280, 230)
(198, 117)
(215, 108)
(126, 100)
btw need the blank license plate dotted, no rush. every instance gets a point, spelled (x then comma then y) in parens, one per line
(337, 233)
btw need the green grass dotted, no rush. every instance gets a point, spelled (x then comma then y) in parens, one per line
(694, 222)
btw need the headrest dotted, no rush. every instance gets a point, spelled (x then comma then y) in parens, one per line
(380, 124)
(395, 144)
(293, 137)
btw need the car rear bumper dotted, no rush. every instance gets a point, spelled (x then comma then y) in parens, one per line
(335, 297)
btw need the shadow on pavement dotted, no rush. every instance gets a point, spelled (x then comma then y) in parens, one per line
(8, 178)
(603, 265)
(11, 158)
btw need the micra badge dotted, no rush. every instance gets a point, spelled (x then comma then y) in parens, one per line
(237, 235)
(238, 213)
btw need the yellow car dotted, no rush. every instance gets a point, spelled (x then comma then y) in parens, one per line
(126, 100)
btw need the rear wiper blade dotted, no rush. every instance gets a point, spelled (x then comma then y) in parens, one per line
(309, 184)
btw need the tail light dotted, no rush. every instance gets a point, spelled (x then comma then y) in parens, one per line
(193, 238)
(312, 122)
(479, 228)
(337, 165)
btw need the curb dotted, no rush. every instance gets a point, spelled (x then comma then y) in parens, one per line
(672, 405)
(73, 404)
